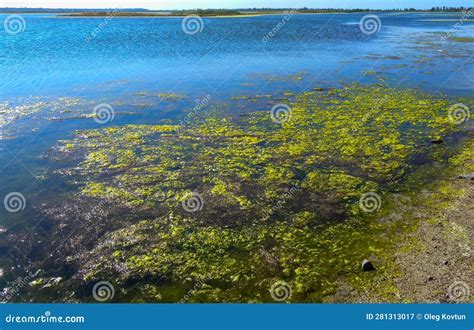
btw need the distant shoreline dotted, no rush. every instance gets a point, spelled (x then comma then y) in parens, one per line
(231, 13)
(244, 15)
(149, 15)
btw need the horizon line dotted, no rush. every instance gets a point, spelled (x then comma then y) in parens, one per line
(254, 8)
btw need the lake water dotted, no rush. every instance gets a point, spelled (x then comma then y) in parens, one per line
(58, 57)
(57, 70)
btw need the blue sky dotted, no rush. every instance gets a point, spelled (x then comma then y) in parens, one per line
(181, 4)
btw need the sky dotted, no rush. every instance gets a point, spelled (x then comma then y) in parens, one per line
(187, 4)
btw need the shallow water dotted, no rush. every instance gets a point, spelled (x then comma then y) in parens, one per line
(56, 73)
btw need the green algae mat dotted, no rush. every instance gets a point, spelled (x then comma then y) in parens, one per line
(278, 205)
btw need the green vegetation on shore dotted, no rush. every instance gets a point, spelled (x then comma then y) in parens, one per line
(140, 12)
(178, 13)
(214, 12)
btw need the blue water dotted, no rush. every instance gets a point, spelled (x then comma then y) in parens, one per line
(131, 57)
(52, 57)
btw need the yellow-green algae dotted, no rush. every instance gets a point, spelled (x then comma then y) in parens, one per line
(337, 145)
(461, 39)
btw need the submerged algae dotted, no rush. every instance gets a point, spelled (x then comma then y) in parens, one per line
(337, 145)
(461, 39)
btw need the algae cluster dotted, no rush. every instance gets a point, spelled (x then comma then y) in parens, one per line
(461, 39)
(240, 204)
